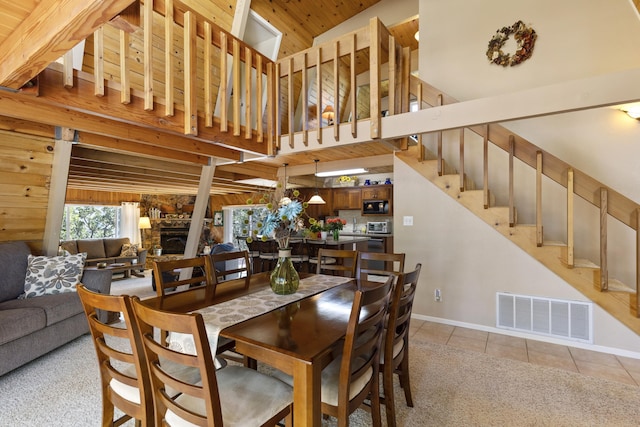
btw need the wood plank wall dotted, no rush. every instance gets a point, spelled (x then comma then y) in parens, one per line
(25, 176)
(91, 197)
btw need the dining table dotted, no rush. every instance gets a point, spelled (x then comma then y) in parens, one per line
(299, 337)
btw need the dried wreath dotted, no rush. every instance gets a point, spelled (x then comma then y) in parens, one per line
(526, 38)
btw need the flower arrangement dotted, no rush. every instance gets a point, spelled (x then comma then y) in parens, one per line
(333, 224)
(284, 217)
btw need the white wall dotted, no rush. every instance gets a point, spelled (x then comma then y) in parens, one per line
(460, 253)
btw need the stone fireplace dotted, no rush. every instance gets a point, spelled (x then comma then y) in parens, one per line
(173, 239)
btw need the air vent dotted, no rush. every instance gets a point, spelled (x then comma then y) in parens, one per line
(564, 319)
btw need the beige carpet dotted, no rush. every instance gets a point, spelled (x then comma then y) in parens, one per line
(451, 388)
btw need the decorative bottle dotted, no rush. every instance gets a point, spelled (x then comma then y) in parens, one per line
(284, 277)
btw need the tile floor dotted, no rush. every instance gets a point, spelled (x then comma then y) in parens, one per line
(596, 364)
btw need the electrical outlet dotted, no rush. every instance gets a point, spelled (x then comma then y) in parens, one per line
(437, 295)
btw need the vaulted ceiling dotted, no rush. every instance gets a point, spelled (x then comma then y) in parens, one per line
(34, 33)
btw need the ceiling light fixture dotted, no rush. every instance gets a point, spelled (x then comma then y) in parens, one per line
(417, 35)
(341, 172)
(632, 110)
(285, 200)
(316, 199)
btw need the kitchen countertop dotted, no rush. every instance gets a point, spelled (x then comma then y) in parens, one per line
(351, 234)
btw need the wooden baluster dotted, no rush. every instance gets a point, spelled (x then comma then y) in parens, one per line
(190, 64)
(236, 90)
(404, 99)
(98, 62)
(208, 93)
(224, 81)
(374, 73)
(570, 219)
(169, 80)
(248, 64)
(259, 98)
(485, 171)
(462, 159)
(336, 90)
(354, 97)
(272, 104)
(319, 93)
(391, 99)
(512, 147)
(125, 81)
(420, 145)
(278, 107)
(604, 269)
(67, 69)
(147, 44)
(290, 103)
(305, 102)
(539, 234)
(439, 136)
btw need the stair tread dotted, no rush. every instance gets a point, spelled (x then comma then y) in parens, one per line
(617, 286)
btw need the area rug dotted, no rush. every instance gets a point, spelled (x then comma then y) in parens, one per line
(451, 387)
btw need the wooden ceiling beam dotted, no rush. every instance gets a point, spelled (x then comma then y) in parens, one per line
(49, 31)
(28, 107)
(251, 169)
(146, 150)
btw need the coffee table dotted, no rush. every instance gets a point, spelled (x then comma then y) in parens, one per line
(118, 267)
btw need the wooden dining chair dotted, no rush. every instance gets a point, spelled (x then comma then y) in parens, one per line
(231, 265)
(253, 252)
(166, 274)
(299, 255)
(353, 376)
(313, 247)
(233, 395)
(268, 254)
(124, 378)
(395, 356)
(345, 262)
(376, 266)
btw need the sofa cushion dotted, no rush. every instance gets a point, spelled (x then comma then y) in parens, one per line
(19, 322)
(70, 246)
(113, 247)
(56, 307)
(13, 266)
(93, 247)
(52, 275)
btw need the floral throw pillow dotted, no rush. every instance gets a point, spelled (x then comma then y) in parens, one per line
(52, 275)
(129, 249)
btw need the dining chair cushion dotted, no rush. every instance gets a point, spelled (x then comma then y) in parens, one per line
(187, 373)
(245, 397)
(331, 381)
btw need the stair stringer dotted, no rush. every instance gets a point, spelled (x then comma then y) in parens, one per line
(617, 304)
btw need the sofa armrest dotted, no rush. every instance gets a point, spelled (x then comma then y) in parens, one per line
(100, 281)
(142, 258)
(97, 280)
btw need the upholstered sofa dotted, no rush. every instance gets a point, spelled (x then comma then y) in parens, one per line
(32, 327)
(109, 250)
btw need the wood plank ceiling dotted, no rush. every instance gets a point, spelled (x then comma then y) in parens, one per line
(107, 165)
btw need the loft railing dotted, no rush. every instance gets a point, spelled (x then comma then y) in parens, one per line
(179, 61)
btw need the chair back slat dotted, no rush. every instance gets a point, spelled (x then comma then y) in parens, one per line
(223, 274)
(392, 263)
(166, 273)
(343, 262)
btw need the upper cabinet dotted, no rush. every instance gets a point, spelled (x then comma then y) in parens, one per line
(379, 192)
(347, 198)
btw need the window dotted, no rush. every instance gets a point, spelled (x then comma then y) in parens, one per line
(89, 222)
(245, 220)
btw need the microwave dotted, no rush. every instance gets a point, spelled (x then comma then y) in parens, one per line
(379, 227)
(375, 207)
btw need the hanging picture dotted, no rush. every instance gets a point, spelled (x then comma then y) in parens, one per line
(218, 220)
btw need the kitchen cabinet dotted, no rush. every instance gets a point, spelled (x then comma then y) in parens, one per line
(347, 198)
(381, 192)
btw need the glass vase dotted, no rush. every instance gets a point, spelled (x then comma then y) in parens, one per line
(336, 234)
(284, 277)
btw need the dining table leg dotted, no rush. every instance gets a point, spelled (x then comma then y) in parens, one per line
(307, 380)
